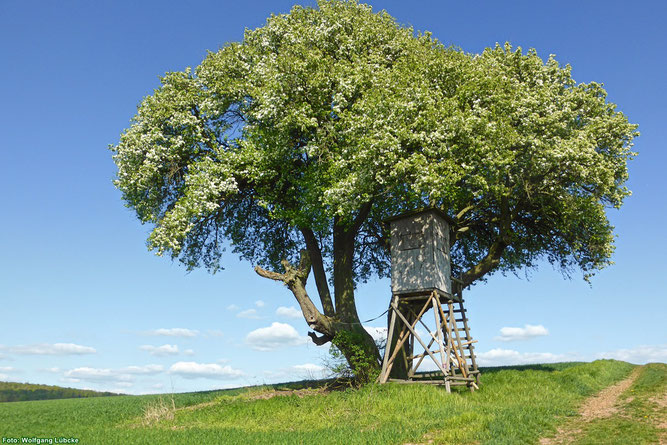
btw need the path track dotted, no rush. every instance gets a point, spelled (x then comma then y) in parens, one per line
(602, 405)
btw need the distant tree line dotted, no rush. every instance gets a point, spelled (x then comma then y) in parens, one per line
(18, 392)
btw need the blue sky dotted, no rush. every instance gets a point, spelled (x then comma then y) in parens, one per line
(86, 305)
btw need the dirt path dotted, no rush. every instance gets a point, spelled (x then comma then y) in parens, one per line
(597, 407)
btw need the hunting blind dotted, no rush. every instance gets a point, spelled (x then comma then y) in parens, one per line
(421, 284)
(420, 253)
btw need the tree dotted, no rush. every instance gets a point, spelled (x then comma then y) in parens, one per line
(295, 144)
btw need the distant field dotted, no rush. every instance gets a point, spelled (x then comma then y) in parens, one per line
(18, 392)
(515, 405)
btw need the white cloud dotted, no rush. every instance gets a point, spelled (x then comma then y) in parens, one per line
(248, 313)
(289, 312)
(275, 336)
(310, 371)
(160, 350)
(639, 355)
(423, 334)
(193, 370)
(123, 377)
(144, 370)
(215, 333)
(174, 332)
(304, 371)
(70, 380)
(52, 349)
(189, 352)
(97, 375)
(525, 333)
(233, 307)
(259, 303)
(427, 364)
(5, 374)
(309, 367)
(505, 357)
(378, 334)
(52, 370)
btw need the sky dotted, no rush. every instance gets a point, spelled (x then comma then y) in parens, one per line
(86, 305)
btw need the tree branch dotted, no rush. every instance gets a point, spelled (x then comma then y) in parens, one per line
(495, 253)
(464, 211)
(269, 274)
(360, 218)
(319, 341)
(295, 279)
(488, 263)
(318, 271)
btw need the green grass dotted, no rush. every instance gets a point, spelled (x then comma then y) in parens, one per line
(514, 405)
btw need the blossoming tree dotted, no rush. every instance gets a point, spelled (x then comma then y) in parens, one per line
(294, 145)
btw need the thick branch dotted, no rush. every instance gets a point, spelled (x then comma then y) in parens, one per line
(295, 279)
(269, 274)
(319, 341)
(487, 264)
(343, 273)
(463, 212)
(495, 253)
(360, 218)
(318, 271)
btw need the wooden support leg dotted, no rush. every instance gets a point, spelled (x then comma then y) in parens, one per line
(416, 336)
(452, 342)
(405, 334)
(384, 374)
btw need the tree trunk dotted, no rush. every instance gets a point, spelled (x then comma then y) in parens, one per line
(340, 322)
(360, 351)
(344, 327)
(347, 319)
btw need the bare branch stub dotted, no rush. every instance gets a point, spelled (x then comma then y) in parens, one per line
(319, 340)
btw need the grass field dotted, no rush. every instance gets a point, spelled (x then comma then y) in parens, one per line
(515, 405)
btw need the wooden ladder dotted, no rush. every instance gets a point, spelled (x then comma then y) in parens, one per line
(463, 346)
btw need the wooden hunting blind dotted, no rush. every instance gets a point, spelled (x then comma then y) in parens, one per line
(421, 283)
(420, 253)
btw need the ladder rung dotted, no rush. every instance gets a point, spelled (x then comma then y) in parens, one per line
(467, 379)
